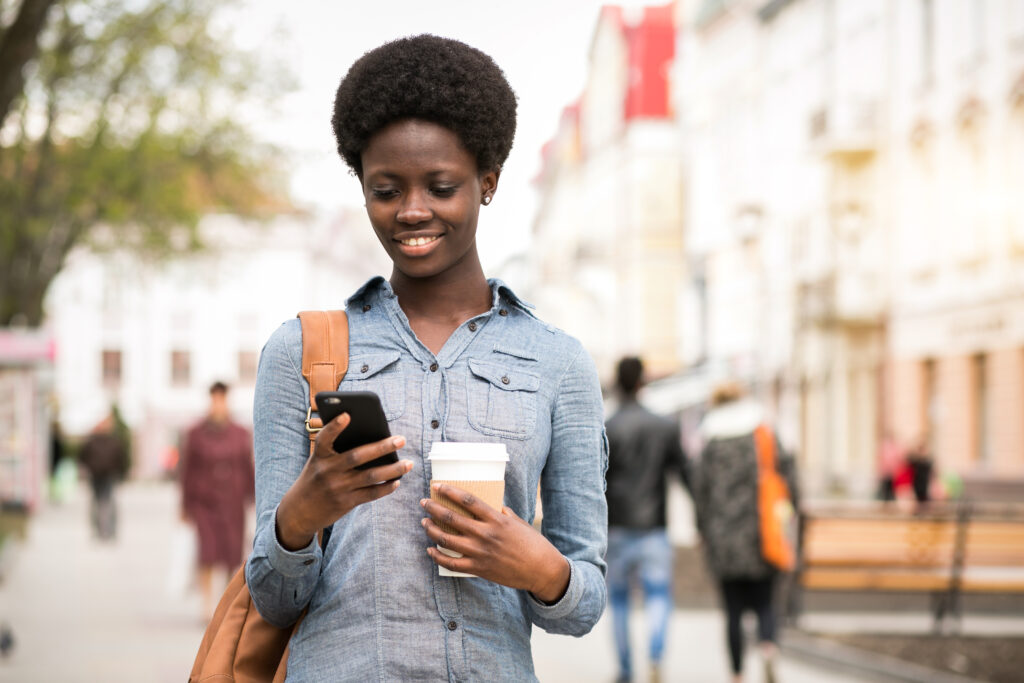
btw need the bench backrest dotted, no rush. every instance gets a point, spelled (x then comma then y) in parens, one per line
(895, 541)
(994, 543)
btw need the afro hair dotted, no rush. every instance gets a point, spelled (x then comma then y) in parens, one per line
(430, 78)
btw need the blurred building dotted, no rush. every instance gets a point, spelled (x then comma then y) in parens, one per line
(153, 336)
(607, 232)
(853, 227)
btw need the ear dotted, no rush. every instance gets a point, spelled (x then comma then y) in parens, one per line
(489, 184)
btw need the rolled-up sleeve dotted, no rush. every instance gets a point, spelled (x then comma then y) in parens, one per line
(573, 495)
(281, 582)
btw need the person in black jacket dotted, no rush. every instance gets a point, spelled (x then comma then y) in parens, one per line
(644, 451)
(105, 458)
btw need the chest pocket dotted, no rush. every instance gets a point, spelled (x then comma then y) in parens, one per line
(502, 399)
(380, 373)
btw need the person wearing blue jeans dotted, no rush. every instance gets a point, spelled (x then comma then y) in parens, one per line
(644, 451)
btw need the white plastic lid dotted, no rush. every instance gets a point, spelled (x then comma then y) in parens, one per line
(468, 450)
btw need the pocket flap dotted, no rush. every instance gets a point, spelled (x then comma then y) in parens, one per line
(509, 378)
(365, 367)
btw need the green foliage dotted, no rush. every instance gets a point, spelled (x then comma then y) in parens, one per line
(127, 132)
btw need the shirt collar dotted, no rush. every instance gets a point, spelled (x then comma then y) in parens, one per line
(377, 284)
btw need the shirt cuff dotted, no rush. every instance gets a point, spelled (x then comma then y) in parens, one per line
(292, 563)
(565, 606)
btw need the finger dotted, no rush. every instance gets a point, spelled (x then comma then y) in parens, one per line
(456, 564)
(506, 510)
(330, 432)
(371, 493)
(466, 500)
(376, 475)
(459, 544)
(371, 451)
(450, 518)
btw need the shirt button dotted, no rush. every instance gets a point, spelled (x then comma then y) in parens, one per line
(366, 307)
(505, 380)
(308, 562)
(365, 368)
(472, 327)
(503, 312)
(433, 367)
(434, 424)
(452, 626)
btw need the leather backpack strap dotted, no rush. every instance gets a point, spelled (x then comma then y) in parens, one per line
(324, 358)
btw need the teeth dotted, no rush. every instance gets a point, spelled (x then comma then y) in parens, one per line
(418, 241)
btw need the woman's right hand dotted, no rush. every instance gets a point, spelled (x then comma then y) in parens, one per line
(329, 485)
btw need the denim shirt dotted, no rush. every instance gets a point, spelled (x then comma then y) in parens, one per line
(378, 610)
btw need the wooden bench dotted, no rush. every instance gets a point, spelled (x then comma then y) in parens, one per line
(944, 551)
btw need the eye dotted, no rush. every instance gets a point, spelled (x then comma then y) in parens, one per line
(444, 190)
(384, 193)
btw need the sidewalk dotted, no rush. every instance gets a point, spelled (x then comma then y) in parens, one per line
(86, 611)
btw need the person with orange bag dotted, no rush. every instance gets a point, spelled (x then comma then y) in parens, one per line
(742, 487)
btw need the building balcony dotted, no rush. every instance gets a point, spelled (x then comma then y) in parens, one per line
(847, 129)
(847, 300)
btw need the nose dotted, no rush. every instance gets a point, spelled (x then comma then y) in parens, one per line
(413, 208)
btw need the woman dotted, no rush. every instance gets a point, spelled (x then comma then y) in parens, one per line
(216, 490)
(425, 124)
(726, 500)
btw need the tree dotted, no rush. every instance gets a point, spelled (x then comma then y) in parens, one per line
(122, 132)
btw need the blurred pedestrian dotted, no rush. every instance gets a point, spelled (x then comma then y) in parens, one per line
(891, 459)
(644, 452)
(216, 486)
(104, 455)
(727, 494)
(921, 466)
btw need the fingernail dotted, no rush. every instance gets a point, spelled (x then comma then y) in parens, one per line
(398, 441)
(436, 487)
(423, 502)
(423, 522)
(408, 465)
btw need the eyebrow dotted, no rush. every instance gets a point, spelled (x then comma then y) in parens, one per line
(391, 175)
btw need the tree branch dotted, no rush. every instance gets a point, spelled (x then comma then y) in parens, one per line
(20, 45)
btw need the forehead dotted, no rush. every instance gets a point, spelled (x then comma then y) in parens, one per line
(413, 146)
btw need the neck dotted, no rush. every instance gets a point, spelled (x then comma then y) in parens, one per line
(443, 297)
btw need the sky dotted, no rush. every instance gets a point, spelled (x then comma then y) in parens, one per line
(542, 46)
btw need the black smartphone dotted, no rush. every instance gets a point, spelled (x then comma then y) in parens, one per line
(368, 422)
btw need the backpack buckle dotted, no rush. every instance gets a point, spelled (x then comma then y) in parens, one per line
(309, 417)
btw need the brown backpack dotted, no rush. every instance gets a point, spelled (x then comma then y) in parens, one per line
(238, 644)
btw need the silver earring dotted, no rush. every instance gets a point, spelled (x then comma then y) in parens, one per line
(487, 199)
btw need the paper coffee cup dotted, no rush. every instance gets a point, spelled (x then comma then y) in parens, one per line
(478, 468)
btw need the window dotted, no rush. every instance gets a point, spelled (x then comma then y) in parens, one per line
(1017, 23)
(181, 368)
(982, 411)
(978, 16)
(247, 363)
(111, 368)
(927, 42)
(930, 403)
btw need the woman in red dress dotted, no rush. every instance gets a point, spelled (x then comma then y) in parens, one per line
(217, 485)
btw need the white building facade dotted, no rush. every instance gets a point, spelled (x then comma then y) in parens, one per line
(152, 337)
(608, 239)
(851, 212)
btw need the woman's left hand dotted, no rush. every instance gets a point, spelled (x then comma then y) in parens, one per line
(498, 546)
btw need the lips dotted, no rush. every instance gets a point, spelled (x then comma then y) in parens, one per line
(417, 244)
(419, 241)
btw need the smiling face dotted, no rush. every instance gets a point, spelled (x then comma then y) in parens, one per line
(423, 193)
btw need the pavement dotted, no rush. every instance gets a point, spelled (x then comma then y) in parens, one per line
(84, 610)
